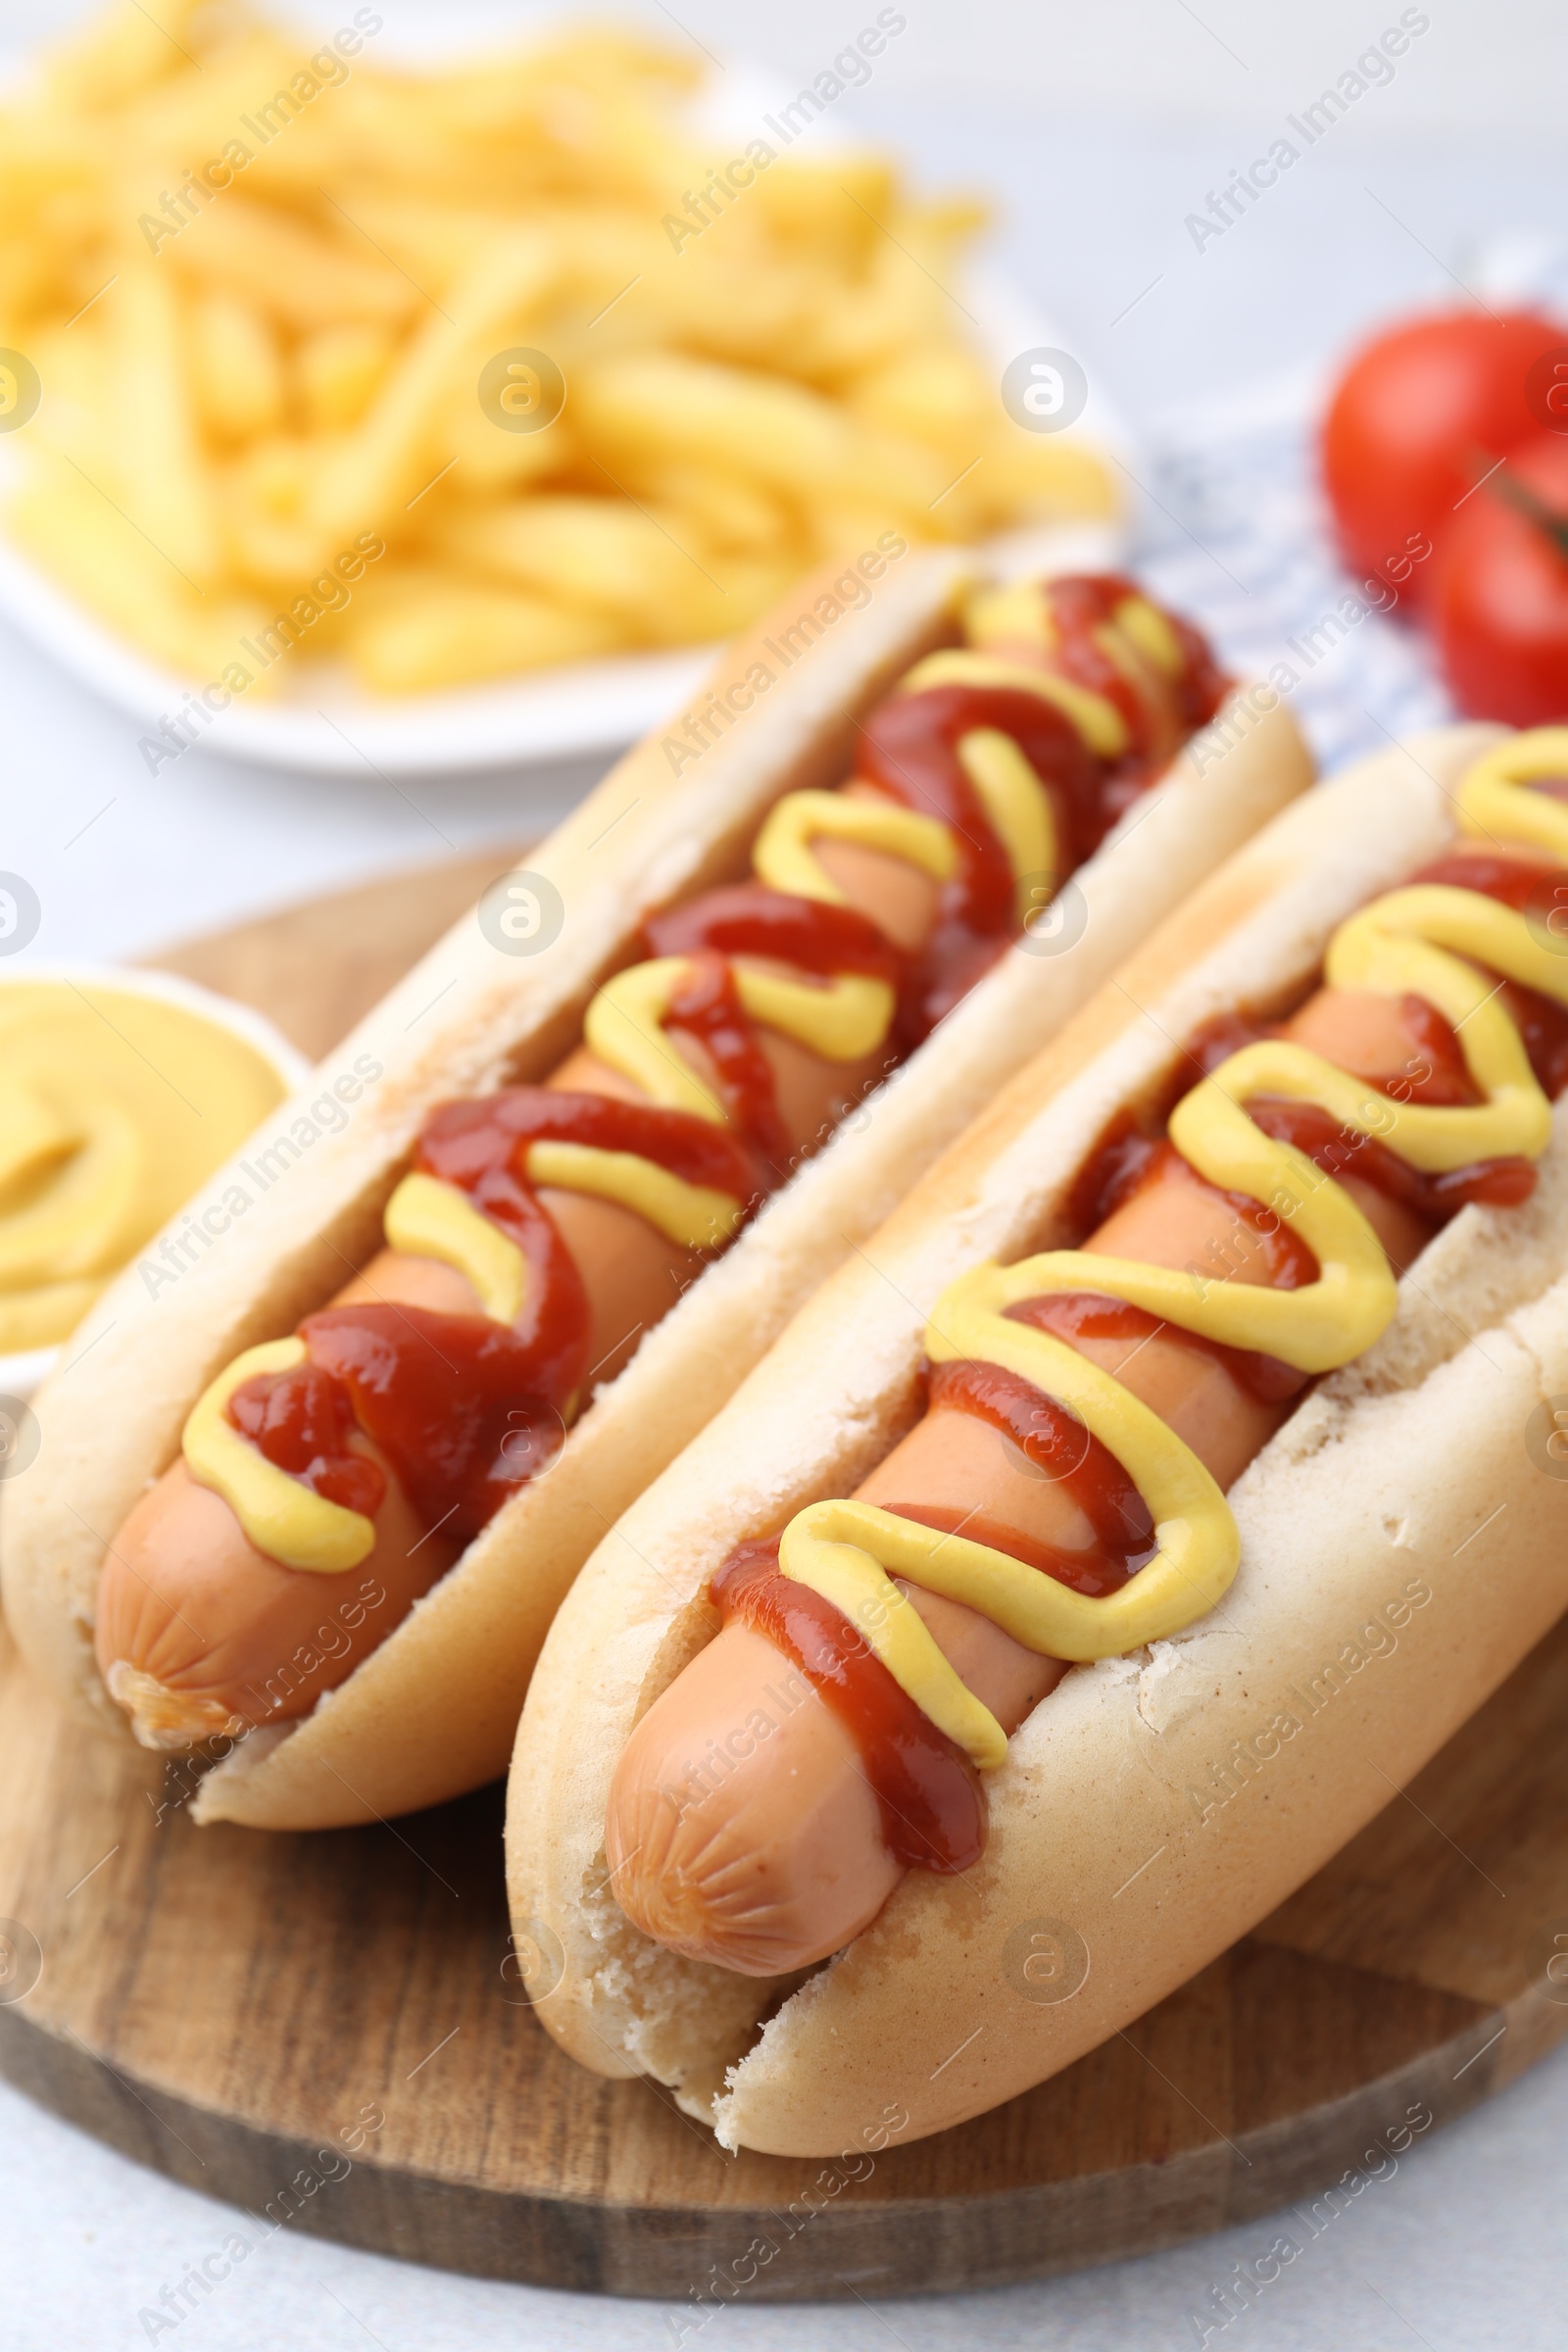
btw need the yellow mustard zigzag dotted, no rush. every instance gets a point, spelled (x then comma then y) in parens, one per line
(849, 1018)
(844, 1019)
(1418, 941)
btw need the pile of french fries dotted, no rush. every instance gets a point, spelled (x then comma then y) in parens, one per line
(260, 281)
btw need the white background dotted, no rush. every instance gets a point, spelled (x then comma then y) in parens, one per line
(1098, 128)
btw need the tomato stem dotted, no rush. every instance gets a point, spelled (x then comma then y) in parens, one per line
(1529, 503)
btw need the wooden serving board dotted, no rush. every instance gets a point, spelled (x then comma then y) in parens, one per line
(239, 2010)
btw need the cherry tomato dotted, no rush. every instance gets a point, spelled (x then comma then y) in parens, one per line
(1419, 414)
(1499, 601)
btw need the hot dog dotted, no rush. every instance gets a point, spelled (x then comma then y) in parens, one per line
(193, 1613)
(439, 1437)
(919, 1661)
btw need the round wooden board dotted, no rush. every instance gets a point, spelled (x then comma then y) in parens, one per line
(238, 2010)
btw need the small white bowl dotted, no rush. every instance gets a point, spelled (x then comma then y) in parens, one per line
(24, 1371)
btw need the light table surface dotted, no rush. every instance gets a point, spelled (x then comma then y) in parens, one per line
(1464, 2246)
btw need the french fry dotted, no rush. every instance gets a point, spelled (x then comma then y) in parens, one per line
(339, 372)
(431, 629)
(669, 405)
(236, 367)
(835, 206)
(488, 461)
(304, 278)
(601, 552)
(394, 457)
(432, 240)
(74, 419)
(708, 502)
(273, 539)
(932, 391)
(182, 119)
(89, 545)
(122, 53)
(163, 479)
(726, 595)
(654, 574)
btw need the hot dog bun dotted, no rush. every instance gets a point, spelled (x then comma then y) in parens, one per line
(1400, 1498)
(432, 1710)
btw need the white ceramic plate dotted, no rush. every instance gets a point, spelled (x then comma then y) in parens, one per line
(21, 1373)
(331, 726)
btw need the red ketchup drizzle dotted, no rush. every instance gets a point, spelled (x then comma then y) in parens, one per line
(466, 1410)
(708, 1006)
(1436, 1077)
(1075, 1315)
(1056, 1444)
(932, 1803)
(301, 1420)
(1081, 605)
(1513, 881)
(747, 918)
(1199, 686)
(1112, 1174)
(1079, 608)
(1082, 602)
(1341, 1152)
(1085, 1571)
(1128, 1162)
(909, 748)
(456, 1401)
(1540, 893)
(465, 1142)
(1436, 1073)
